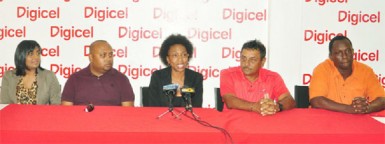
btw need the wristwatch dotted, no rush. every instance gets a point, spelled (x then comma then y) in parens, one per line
(280, 107)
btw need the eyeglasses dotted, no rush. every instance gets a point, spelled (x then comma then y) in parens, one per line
(175, 55)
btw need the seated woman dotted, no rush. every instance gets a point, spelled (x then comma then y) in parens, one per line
(29, 83)
(175, 52)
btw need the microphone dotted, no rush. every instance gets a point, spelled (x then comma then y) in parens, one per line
(89, 108)
(170, 89)
(187, 93)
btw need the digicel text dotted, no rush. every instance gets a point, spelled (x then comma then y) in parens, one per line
(155, 52)
(119, 52)
(137, 34)
(69, 33)
(366, 56)
(34, 14)
(209, 34)
(206, 72)
(171, 15)
(4, 68)
(102, 14)
(12, 32)
(323, 2)
(306, 78)
(321, 37)
(136, 72)
(64, 71)
(228, 52)
(52, 52)
(355, 18)
(240, 16)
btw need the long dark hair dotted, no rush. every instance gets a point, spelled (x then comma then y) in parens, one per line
(22, 50)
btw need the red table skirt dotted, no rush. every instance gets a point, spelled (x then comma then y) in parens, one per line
(109, 124)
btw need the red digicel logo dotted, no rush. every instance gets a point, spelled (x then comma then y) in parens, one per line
(323, 2)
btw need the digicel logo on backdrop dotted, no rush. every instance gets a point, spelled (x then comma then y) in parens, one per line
(306, 78)
(118, 52)
(356, 18)
(231, 53)
(141, 71)
(323, 2)
(4, 68)
(241, 16)
(34, 14)
(138, 34)
(65, 71)
(209, 34)
(366, 56)
(156, 49)
(69, 33)
(171, 15)
(320, 37)
(8, 32)
(107, 13)
(136, 72)
(50, 52)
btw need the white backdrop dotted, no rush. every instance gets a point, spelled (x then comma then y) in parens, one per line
(217, 29)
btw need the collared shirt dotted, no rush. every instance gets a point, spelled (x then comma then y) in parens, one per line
(233, 81)
(112, 88)
(328, 82)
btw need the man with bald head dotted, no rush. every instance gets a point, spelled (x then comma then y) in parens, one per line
(99, 83)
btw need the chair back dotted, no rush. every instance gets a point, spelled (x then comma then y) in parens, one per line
(145, 94)
(218, 99)
(301, 96)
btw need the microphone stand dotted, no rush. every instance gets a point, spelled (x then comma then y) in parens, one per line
(188, 107)
(170, 106)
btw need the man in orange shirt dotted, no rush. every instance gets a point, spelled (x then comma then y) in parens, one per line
(343, 84)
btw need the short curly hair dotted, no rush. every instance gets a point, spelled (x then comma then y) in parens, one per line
(256, 45)
(172, 40)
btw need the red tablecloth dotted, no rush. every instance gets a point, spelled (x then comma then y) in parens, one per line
(52, 124)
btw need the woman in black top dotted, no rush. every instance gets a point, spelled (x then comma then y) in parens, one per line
(175, 52)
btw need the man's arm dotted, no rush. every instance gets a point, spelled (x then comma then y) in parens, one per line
(67, 103)
(377, 105)
(233, 102)
(128, 103)
(287, 101)
(325, 103)
(269, 107)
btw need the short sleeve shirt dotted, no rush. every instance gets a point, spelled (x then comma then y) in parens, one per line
(110, 89)
(328, 82)
(233, 81)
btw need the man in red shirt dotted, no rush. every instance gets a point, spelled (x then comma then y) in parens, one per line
(253, 88)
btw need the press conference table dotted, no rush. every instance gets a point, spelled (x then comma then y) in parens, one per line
(108, 124)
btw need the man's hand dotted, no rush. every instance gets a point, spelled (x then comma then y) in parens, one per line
(268, 106)
(360, 105)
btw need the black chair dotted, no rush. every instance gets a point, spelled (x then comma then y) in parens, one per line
(145, 94)
(218, 99)
(301, 96)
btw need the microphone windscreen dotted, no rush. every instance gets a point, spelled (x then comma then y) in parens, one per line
(170, 87)
(89, 108)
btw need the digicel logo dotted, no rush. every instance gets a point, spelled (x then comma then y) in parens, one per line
(323, 2)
